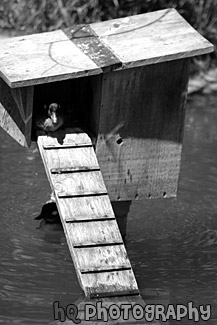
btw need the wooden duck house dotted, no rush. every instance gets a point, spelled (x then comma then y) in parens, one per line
(125, 82)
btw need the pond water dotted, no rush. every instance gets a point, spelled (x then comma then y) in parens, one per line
(172, 244)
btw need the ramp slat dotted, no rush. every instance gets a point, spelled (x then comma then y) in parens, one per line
(80, 208)
(62, 138)
(89, 223)
(102, 257)
(78, 183)
(113, 283)
(79, 157)
(94, 234)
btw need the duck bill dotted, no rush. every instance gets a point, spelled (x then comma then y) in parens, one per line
(54, 117)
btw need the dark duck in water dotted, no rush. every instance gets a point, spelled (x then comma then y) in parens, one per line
(51, 119)
(49, 216)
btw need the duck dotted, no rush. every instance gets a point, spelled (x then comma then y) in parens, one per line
(51, 119)
(49, 215)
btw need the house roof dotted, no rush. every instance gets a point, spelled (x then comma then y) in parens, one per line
(84, 50)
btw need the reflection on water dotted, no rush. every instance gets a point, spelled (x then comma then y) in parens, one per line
(172, 244)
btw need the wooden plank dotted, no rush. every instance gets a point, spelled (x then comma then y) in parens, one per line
(150, 38)
(70, 137)
(78, 183)
(40, 58)
(140, 132)
(110, 283)
(16, 112)
(127, 42)
(86, 40)
(89, 207)
(98, 233)
(97, 259)
(95, 244)
(64, 158)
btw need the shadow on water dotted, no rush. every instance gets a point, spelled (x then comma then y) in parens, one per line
(172, 244)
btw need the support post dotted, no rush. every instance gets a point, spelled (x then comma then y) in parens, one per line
(121, 210)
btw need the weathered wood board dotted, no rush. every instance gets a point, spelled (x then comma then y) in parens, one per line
(149, 38)
(16, 109)
(140, 129)
(40, 58)
(92, 233)
(134, 41)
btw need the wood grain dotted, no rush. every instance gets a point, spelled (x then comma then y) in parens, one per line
(87, 41)
(139, 142)
(41, 58)
(83, 208)
(99, 284)
(67, 137)
(95, 233)
(102, 258)
(64, 158)
(16, 112)
(150, 38)
(74, 184)
(134, 41)
(89, 223)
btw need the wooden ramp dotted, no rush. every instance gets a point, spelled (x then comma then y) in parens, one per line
(92, 233)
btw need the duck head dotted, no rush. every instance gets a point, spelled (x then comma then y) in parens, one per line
(53, 112)
(49, 213)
